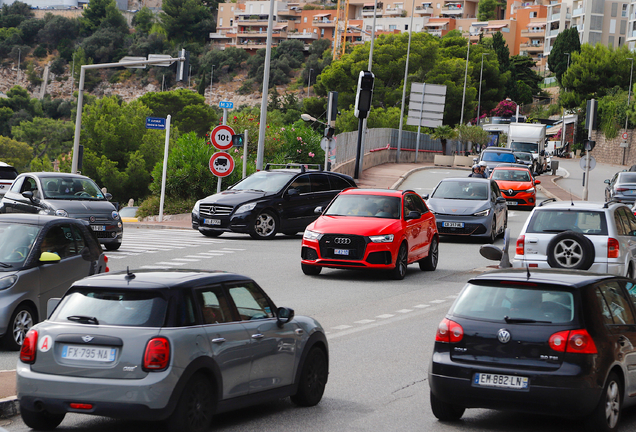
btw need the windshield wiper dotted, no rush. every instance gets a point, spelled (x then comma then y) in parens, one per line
(83, 319)
(524, 320)
(5, 265)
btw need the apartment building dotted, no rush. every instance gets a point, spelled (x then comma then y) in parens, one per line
(601, 21)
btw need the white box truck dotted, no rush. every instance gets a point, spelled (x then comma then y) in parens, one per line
(529, 137)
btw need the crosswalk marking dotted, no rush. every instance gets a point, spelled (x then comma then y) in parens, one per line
(170, 263)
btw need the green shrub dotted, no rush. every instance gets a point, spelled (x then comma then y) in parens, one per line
(247, 87)
(150, 206)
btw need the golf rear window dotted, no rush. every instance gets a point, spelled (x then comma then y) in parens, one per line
(525, 304)
(113, 307)
(556, 221)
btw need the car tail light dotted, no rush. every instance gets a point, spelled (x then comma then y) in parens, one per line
(573, 341)
(81, 406)
(521, 243)
(157, 354)
(449, 331)
(613, 249)
(621, 189)
(106, 270)
(27, 352)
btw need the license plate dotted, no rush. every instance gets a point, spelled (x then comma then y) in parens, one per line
(453, 224)
(501, 381)
(98, 227)
(512, 203)
(212, 221)
(341, 251)
(78, 352)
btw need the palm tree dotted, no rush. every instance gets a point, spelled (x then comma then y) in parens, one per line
(444, 133)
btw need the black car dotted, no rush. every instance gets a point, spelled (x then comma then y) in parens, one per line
(269, 201)
(68, 195)
(540, 341)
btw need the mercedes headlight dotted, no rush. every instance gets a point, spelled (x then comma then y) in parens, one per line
(195, 209)
(246, 207)
(482, 213)
(386, 238)
(61, 212)
(312, 235)
(8, 282)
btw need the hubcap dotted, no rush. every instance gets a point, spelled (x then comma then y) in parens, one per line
(402, 261)
(568, 253)
(434, 253)
(264, 225)
(613, 404)
(23, 322)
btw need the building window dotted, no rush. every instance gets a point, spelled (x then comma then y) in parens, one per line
(610, 41)
(232, 9)
(533, 14)
(621, 41)
(305, 20)
(221, 25)
(624, 11)
(406, 28)
(391, 27)
(322, 35)
(222, 11)
(315, 31)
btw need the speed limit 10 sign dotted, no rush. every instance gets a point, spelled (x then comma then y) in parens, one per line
(222, 137)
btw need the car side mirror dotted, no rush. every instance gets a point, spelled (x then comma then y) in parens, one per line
(29, 195)
(413, 215)
(49, 258)
(86, 254)
(108, 196)
(284, 315)
(537, 182)
(425, 196)
(606, 181)
(318, 210)
(292, 192)
(500, 200)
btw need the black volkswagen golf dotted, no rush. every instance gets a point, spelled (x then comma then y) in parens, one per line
(269, 201)
(549, 341)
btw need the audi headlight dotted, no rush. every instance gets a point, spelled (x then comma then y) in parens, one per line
(531, 190)
(482, 213)
(8, 282)
(246, 207)
(386, 238)
(61, 212)
(312, 235)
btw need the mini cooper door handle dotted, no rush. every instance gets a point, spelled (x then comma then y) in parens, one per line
(218, 340)
(257, 336)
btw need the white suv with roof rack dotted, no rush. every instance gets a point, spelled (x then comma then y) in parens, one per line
(600, 237)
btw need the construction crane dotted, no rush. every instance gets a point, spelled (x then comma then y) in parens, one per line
(340, 36)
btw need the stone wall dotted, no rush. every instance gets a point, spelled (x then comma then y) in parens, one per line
(610, 151)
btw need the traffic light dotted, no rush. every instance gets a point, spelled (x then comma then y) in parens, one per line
(364, 94)
(183, 67)
(237, 140)
(588, 145)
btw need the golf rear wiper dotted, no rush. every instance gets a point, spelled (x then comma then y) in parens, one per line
(524, 320)
(83, 319)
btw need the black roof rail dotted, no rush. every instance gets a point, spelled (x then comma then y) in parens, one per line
(302, 167)
(612, 201)
(547, 201)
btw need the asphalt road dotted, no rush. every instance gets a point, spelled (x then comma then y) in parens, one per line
(572, 179)
(380, 331)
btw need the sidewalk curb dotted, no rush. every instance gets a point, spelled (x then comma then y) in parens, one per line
(404, 176)
(9, 407)
(156, 225)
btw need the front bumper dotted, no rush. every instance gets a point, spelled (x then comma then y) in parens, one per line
(476, 226)
(525, 199)
(372, 256)
(239, 223)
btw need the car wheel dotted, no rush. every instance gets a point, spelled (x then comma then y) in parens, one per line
(445, 411)
(210, 232)
(493, 230)
(313, 379)
(21, 321)
(311, 270)
(607, 414)
(40, 420)
(112, 246)
(630, 272)
(570, 250)
(430, 262)
(195, 407)
(264, 226)
(401, 262)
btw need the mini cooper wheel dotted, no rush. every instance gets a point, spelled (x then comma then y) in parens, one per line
(313, 379)
(264, 226)
(401, 262)
(430, 262)
(22, 319)
(210, 232)
(445, 411)
(195, 407)
(310, 270)
(570, 250)
(41, 420)
(607, 413)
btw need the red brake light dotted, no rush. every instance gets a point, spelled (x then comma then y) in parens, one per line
(449, 331)
(613, 248)
(520, 245)
(573, 341)
(81, 406)
(28, 350)
(105, 259)
(621, 189)
(558, 341)
(157, 355)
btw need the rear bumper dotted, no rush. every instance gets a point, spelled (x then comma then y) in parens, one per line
(613, 268)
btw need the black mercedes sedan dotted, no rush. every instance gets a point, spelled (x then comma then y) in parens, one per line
(269, 201)
(68, 195)
(542, 341)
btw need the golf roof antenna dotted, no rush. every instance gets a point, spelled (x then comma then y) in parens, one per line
(129, 275)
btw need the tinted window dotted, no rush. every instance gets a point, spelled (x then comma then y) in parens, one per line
(250, 302)
(464, 190)
(319, 183)
(626, 220)
(555, 221)
(17, 185)
(627, 178)
(29, 184)
(79, 242)
(113, 307)
(511, 175)
(496, 302)
(631, 291)
(617, 303)
(619, 221)
(498, 157)
(302, 184)
(214, 306)
(7, 173)
(71, 188)
(338, 183)
(59, 240)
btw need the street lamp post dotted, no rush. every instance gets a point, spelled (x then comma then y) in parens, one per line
(406, 75)
(461, 116)
(481, 73)
(563, 110)
(309, 80)
(629, 95)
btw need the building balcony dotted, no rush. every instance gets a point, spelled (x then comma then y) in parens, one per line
(262, 34)
(532, 48)
(220, 35)
(251, 20)
(435, 32)
(422, 11)
(577, 12)
(302, 36)
(553, 32)
(579, 27)
(323, 23)
(633, 33)
(533, 34)
(393, 11)
(452, 10)
(368, 12)
(251, 45)
(555, 17)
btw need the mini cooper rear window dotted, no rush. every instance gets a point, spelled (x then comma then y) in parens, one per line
(512, 304)
(113, 307)
(556, 221)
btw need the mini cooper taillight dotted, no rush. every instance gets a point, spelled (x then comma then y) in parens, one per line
(573, 341)
(157, 355)
(449, 331)
(28, 350)
(520, 245)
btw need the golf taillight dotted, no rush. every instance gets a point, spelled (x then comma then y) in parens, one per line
(449, 331)
(521, 243)
(157, 355)
(613, 248)
(27, 352)
(573, 341)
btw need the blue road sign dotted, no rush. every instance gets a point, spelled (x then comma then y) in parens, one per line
(155, 123)
(226, 104)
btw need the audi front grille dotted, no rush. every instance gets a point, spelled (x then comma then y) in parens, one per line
(329, 243)
(212, 210)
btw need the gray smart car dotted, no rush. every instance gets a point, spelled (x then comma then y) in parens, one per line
(178, 346)
(70, 195)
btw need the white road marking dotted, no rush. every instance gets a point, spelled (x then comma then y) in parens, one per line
(422, 306)
(405, 310)
(453, 296)
(186, 259)
(233, 249)
(364, 321)
(438, 301)
(341, 327)
(385, 316)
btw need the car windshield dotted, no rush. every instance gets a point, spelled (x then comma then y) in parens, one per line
(365, 205)
(462, 190)
(498, 157)
(67, 188)
(511, 175)
(524, 156)
(16, 241)
(627, 178)
(556, 221)
(524, 146)
(113, 307)
(266, 181)
(515, 304)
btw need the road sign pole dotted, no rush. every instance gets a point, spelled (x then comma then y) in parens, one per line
(224, 116)
(245, 155)
(586, 179)
(165, 169)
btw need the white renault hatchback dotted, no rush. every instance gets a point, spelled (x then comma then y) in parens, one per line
(600, 237)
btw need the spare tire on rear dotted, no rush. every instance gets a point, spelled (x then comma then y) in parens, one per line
(570, 250)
